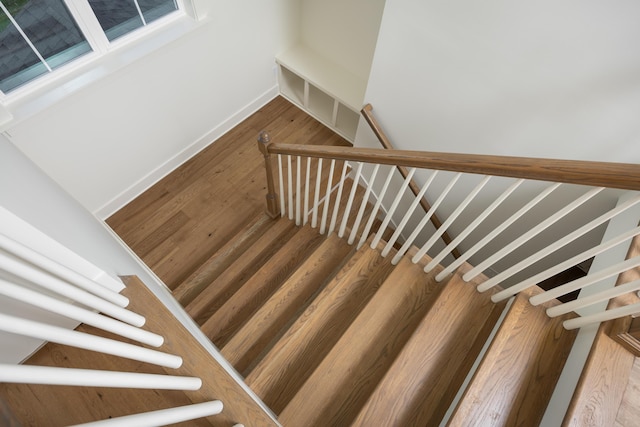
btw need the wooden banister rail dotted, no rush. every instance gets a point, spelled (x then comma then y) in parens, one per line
(599, 174)
(386, 143)
(264, 140)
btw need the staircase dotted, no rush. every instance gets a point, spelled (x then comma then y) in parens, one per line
(330, 335)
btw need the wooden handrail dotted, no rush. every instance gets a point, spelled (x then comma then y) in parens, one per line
(599, 174)
(386, 143)
(264, 141)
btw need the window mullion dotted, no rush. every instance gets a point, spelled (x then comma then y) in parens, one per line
(24, 36)
(89, 25)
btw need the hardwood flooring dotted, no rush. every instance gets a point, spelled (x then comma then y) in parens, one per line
(191, 213)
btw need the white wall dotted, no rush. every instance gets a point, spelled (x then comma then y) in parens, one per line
(107, 142)
(342, 31)
(542, 79)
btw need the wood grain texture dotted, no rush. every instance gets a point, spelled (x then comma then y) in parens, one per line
(426, 375)
(293, 358)
(599, 174)
(629, 410)
(517, 375)
(292, 297)
(232, 279)
(258, 288)
(41, 405)
(341, 384)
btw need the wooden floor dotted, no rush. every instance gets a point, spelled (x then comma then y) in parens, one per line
(183, 219)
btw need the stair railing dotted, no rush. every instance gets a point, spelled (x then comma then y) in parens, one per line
(368, 165)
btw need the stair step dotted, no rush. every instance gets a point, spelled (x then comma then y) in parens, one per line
(284, 369)
(259, 287)
(188, 290)
(426, 375)
(341, 384)
(227, 283)
(517, 375)
(293, 296)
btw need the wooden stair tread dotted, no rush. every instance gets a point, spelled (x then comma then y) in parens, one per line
(293, 358)
(259, 287)
(253, 338)
(227, 283)
(517, 375)
(188, 290)
(335, 392)
(426, 375)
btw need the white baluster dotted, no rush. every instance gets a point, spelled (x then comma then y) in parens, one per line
(471, 227)
(60, 287)
(575, 260)
(298, 183)
(327, 198)
(454, 215)
(392, 209)
(363, 205)
(161, 417)
(281, 183)
(616, 313)
(61, 271)
(28, 374)
(582, 302)
(336, 205)
(530, 234)
(352, 195)
(412, 207)
(82, 315)
(305, 219)
(557, 245)
(376, 208)
(316, 196)
(39, 330)
(290, 187)
(585, 281)
(427, 216)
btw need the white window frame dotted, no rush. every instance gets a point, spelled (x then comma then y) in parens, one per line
(181, 19)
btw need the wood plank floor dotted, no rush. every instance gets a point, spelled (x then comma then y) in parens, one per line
(184, 218)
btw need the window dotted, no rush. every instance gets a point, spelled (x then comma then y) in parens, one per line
(38, 36)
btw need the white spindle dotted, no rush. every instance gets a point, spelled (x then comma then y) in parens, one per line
(327, 198)
(316, 196)
(423, 222)
(582, 302)
(575, 260)
(161, 417)
(471, 227)
(489, 237)
(412, 207)
(39, 330)
(28, 374)
(352, 195)
(290, 187)
(526, 237)
(336, 204)
(616, 313)
(583, 282)
(452, 217)
(376, 208)
(392, 209)
(82, 315)
(363, 205)
(305, 218)
(281, 184)
(61, 271)
(58, 286)
(298, 183)
(557, 245)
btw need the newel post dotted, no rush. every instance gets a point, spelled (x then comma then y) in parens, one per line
(264, 139)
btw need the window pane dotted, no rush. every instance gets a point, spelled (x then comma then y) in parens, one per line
(154, 9)
(117, 17)
(50, 28)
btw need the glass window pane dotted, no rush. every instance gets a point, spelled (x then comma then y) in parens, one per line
(154, 9)
(117, 17)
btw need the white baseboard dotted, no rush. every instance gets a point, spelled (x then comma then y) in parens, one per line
(171, 164)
